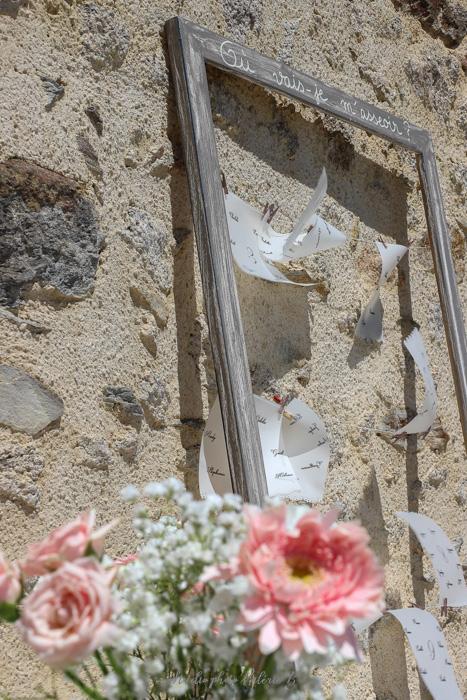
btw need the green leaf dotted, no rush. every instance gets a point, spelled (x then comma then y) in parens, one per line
(262, 689)
(100, 662)
(9, 612)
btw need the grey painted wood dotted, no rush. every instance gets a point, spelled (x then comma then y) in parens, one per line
(219, 288)
(190, 47)
(279, 77)
(445, 276)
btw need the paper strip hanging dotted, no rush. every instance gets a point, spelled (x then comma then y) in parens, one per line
(429, 647)
(427, 414)
(256, 246)
(443, 556)
(370, 323)
(295, 451)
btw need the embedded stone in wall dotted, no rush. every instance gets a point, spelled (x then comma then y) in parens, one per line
(22, 323)
(461, 496)
(153, 72)
(242, 15)
(290, 28)
(390, 424)
(20, 468)
(304, 376)
(444, 18)
(127, 447)
(105, 38)
(122, 401)
(434, 80)
(97, 453)
(436, 477)
(93, 114)
(149, 340)
(48, 235)
(11, 7)
(54, 89)
(90, 156)
(26, 405)
(346, 324)
(437, 439)
(151, 243)
(147, 297)
(155, 403)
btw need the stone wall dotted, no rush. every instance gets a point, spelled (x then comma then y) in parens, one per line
(105, 367)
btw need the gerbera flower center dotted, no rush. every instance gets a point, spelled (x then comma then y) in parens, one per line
(303, 570)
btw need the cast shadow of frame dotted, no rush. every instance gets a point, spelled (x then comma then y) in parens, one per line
(296, 148)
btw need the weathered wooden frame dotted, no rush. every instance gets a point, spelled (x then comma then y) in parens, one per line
(190, 48)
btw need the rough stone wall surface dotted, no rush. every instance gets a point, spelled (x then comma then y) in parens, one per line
(102, 314)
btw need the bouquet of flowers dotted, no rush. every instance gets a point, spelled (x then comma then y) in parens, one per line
(220, 600)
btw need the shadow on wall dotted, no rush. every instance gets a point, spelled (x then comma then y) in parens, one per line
(189, 341)
(298, 148)
(278, 335)
(370, 511)
(388, 662)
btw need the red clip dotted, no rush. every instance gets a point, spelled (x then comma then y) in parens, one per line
(277, 399)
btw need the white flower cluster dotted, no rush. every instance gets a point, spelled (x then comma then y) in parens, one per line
(180, 638)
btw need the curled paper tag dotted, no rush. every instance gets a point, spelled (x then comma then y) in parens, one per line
(370, 323)
(256, 246)
(427, 414)
(443, 557)
(429, 647)
(295, 451)
(214, 474)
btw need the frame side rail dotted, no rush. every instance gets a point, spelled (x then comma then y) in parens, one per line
(219, 288)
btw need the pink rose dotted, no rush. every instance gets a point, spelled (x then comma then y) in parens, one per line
(68, 614)
(67, 543)
(10, 584)
(125, 560)
(307, 581)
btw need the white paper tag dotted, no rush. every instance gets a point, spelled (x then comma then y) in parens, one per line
(443, 556)
(427, 414)
(214, 473)
(295, 451)
(306, 219)
(256, 246)
(428, 644)
(429, 647)
(246, 227)
(370, 323)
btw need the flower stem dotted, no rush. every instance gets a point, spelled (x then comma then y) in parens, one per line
(101, 662)
(119, 671)
(85, 689)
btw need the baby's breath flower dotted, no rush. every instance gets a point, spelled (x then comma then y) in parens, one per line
(198, 623)
(339, 692)
(129, 493)
(155, 490)
(174, 486)
(154, 666)
(110, 685)
(179, 637)
(178, 687)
